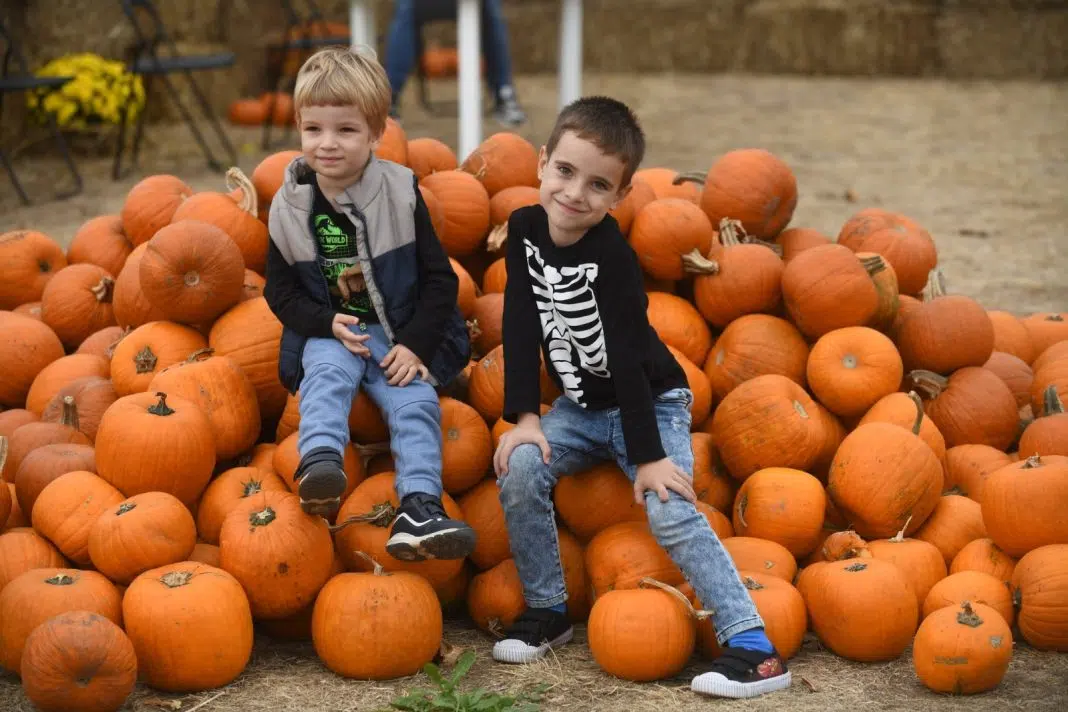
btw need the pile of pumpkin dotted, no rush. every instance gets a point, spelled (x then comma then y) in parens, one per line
(885, 462)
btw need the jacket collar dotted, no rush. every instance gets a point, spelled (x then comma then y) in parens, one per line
(298, 192)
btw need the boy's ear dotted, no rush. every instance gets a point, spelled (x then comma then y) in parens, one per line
(621, 194)
(543, 159)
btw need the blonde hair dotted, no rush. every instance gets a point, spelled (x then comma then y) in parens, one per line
(340, 76)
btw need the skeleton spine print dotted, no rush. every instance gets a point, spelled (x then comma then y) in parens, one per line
(570, 321)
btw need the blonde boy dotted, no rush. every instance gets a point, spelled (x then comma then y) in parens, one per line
(367, 299)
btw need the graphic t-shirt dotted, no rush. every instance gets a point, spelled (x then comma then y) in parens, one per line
(339, 259)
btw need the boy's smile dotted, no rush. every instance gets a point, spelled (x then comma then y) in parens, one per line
(580, 183)
(337, 143)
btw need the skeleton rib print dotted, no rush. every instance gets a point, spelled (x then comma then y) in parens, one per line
(570, 320)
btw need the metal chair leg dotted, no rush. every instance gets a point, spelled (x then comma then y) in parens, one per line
(14, 178)
(209, 114)
(67, 158)
(191, 122)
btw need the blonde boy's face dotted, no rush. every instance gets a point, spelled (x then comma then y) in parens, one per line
(336, 142)
(580, 183)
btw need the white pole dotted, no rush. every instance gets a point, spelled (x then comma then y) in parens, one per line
(470, 90)
(570, 51)
(362, 23)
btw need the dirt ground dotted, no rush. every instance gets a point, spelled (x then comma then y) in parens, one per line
(983, 166)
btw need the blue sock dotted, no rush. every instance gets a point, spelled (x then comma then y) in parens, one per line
(559, 608)
(753, 639)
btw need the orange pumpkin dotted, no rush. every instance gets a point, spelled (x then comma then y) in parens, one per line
(619, 556)
(102, 242)
(249, 333)
(246, 112)
(190, 625)
(149, 442)
(752, 554)
(883, 477)
(92, 396)
(486, 385)
(1053, 373)
(985, 556)
(47, 463)
(226, 492)
(77, 302)
(237, 218)
(129, 302)
(1046, 329)
(268, 177)
(495, 598)
(496, 277)
(30, 260)
(78, 660)
(61, 373)
(434, 209)
(481, 508)
(971, 635)
(1055, 352)
(502, 205)
(886, 286)
(503, 160)
(670, 237)
(103, 341)
(1040, 588)
(753, 186)
(639, 195)
(465, 204)
(192, 271)
(973, 406)
(795, 240)
(590, 501)
(920, 562)
(782, 609)
(485, 325)
(1048, 434)
(21, 550)
(679, 325)
(40, 594)
(145, 531)
(740, 279)
(955, 521)
(429, 155)
(945, 333)
(827, 288)
(33, 435)
(756, 345)
(67, 508)
(1011, 336)
(466, 452)
(668, 183)
(781, 505)
(1022, 504)
(850, 369)
(905, 244)
(393, 144)
(973, 586)
(149, 349)
(150, 206)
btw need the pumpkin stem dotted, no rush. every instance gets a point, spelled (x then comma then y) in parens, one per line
(873, 264)
(378, 570)
(474, 330)
(731, 232)
(1053, 317)
(497, 237)
(237, 180)
(698, 177)
(936, 285)
(60, 580)
(1051, 401)
(70, 413)
(743, 502)
(175, 579)
(647, 582)
(752, 584)
(161, 407)
(3, 451)
(494, 627)
(125, 507)
(968, 616)
(1032, 462)
(929, 382)
(110, 350)
(696, 263)
(251, 487)
(380, 516)
(900, 536)
(918, 422)
(263, 517)
(145, 360)
(200, 355)
(853, 568)
(103, 290)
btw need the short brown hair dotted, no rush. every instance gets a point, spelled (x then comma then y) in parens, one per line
(340, 76)
(609, 124)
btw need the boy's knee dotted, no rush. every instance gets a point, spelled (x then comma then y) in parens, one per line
(526, 474)
(668, 519)
(328, 372)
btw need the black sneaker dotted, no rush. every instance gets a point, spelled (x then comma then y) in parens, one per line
(739, 673)
(322, 479)
(422, 530)
(508, 111)
(532, 635)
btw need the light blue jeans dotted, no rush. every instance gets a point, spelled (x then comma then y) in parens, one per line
(333, 376)
(579, 438)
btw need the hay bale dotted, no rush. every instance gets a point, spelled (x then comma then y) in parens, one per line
(1004, 39)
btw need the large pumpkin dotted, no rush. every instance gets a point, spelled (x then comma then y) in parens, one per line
(503, 160)
(1040, 589)
(1023, 504)
(237, 218)
(465, 203)
(755, 345)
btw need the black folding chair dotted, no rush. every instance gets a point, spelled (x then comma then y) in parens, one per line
(428, 12)
(299, 36)
(148, 63)
(15, 77)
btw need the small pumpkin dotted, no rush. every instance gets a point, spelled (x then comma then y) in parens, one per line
(670, 234)
(795, 240)
(249, 333)
(486, 323)
(974, 586)
(752, 554)
(946, 332)
(21, 550)
(129, 302)
(1011, 336)
(1046, 329)
(782, 609)
(30, 260)
(738, 279)
(237, 218)
(466, 453)
(962, 650)
(150, 205)
(1048, 434)
(44, 464)
(752, 186)
(67, 508)
(826, 288)
(486, 385)
(147, 350)
(850, 369)
(1040, 588)
(668, 183)
(502, 205)
(755, 345)
(226, 492)
(968, 466)
(639, 195)
(102, 342)
(503, 160)
(78, 660)
(482, 511)
(920, 561)
(147, 530)
(33, 435)
(77, 301)
(906, 245)
(466, 206)
(781, 505)
(1022, 504)
(92, 396)
(268, 176)
(590, 501)
(100, 241)
(428, 155)
(393, 144)
(899, 409)
(985, 556)
(620, 555)
(59, 374)
(973, 406)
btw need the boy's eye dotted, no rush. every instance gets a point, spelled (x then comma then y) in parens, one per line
(600, 185)
(563, 170)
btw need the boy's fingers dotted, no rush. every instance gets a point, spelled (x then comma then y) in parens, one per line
(546, 451)
(663, 493)
(639, 493)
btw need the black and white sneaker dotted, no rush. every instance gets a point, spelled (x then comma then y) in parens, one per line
(422, 530)
(322, 479)
(739, 673)
(507, 111)
(533, 634)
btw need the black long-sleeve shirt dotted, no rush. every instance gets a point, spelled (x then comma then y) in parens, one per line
(585, 306)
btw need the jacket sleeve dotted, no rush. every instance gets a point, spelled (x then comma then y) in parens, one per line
(520, 331)
(438, 287)
(293, 307)
(622, 303)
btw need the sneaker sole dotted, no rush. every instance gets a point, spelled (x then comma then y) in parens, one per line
(444, 544)
(320, 492)
(517, 655)
(717, 685)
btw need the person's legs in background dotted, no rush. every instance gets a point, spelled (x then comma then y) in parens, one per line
(400, 49)
(496, 50)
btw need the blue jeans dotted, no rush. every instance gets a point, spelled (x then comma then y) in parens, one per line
(401, 45)
(332, 377)
(579, 438)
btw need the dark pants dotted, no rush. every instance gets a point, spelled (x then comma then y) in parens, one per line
(401, 43)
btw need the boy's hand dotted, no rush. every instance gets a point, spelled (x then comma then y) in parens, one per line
(525, 431)
(402, 366)
(352, 342)
(351, 281)
(661, 476)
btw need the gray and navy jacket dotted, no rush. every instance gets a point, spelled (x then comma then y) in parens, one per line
(409, 278)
